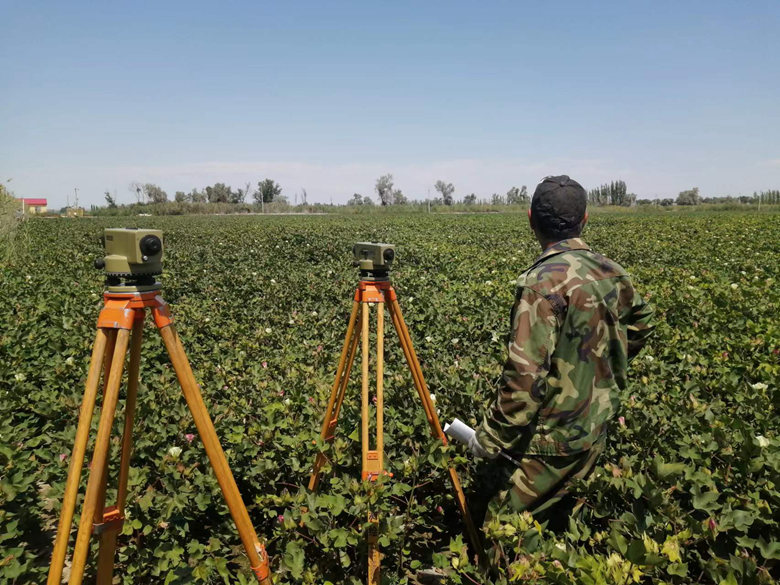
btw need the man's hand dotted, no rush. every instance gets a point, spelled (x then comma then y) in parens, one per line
(478, 450)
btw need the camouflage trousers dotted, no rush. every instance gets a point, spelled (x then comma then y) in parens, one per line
(538, 485)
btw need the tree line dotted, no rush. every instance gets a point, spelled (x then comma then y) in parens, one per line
(388, 194)
(269, 191)
(266, 191)
(691, 197)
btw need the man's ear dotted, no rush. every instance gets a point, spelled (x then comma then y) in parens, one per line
(531, 221)
(584, 219)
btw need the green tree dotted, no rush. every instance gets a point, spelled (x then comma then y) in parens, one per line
(612, 193)
(238, 196)
(268, 191)
(516, 196)
(137, 189)
(399, 198)
(154, 193)
(384, 189)
(8, 212)
(180, 196)
(110, 201)
(689, 197)
(358, 199)
(219, 193)
(197, 196)
(470, 199)
(446, 190)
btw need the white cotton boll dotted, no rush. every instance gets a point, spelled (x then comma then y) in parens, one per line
(174, 452)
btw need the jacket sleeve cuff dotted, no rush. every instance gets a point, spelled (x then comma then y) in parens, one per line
(487, 441)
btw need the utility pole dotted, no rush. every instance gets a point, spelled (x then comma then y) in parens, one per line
(76, 191)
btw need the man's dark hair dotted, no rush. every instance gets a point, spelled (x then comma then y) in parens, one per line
(558, 208)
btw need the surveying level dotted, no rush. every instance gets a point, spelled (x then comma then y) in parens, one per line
(374, 260)
(133, 258)
(374, 288)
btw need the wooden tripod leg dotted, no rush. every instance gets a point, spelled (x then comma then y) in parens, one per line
(380, 384)
(433, 421)
(374, 556)
(77, 460)
(364, 390)
(227, 483)
(107, 547)
(373, 458)
(336, 393)
(99, 459)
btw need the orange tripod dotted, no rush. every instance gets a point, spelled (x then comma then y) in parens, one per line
(123, 313)
(380, 291)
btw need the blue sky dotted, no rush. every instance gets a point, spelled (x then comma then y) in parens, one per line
(328, 96)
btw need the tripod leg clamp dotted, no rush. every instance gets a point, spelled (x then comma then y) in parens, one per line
(262, 571)
(113, 521)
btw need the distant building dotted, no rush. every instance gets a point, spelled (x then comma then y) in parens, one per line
(74, 212)
(33, 205)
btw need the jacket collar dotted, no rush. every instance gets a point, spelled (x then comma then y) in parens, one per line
(563, 246)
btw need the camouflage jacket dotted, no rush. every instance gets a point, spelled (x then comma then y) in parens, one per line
(576, 323)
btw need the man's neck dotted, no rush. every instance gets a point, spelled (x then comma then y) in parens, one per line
(547, 244)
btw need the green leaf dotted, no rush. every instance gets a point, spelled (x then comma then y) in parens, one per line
(294, 559)
(618, 542)
(705, 500)
(678, 569)
(769, 550)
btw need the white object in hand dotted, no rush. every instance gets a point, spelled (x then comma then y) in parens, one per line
(463, 433)
(459, 431)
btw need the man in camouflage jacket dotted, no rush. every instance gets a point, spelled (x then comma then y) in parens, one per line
(577, 321)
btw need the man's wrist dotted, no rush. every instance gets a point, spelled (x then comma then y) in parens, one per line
(486, 446)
